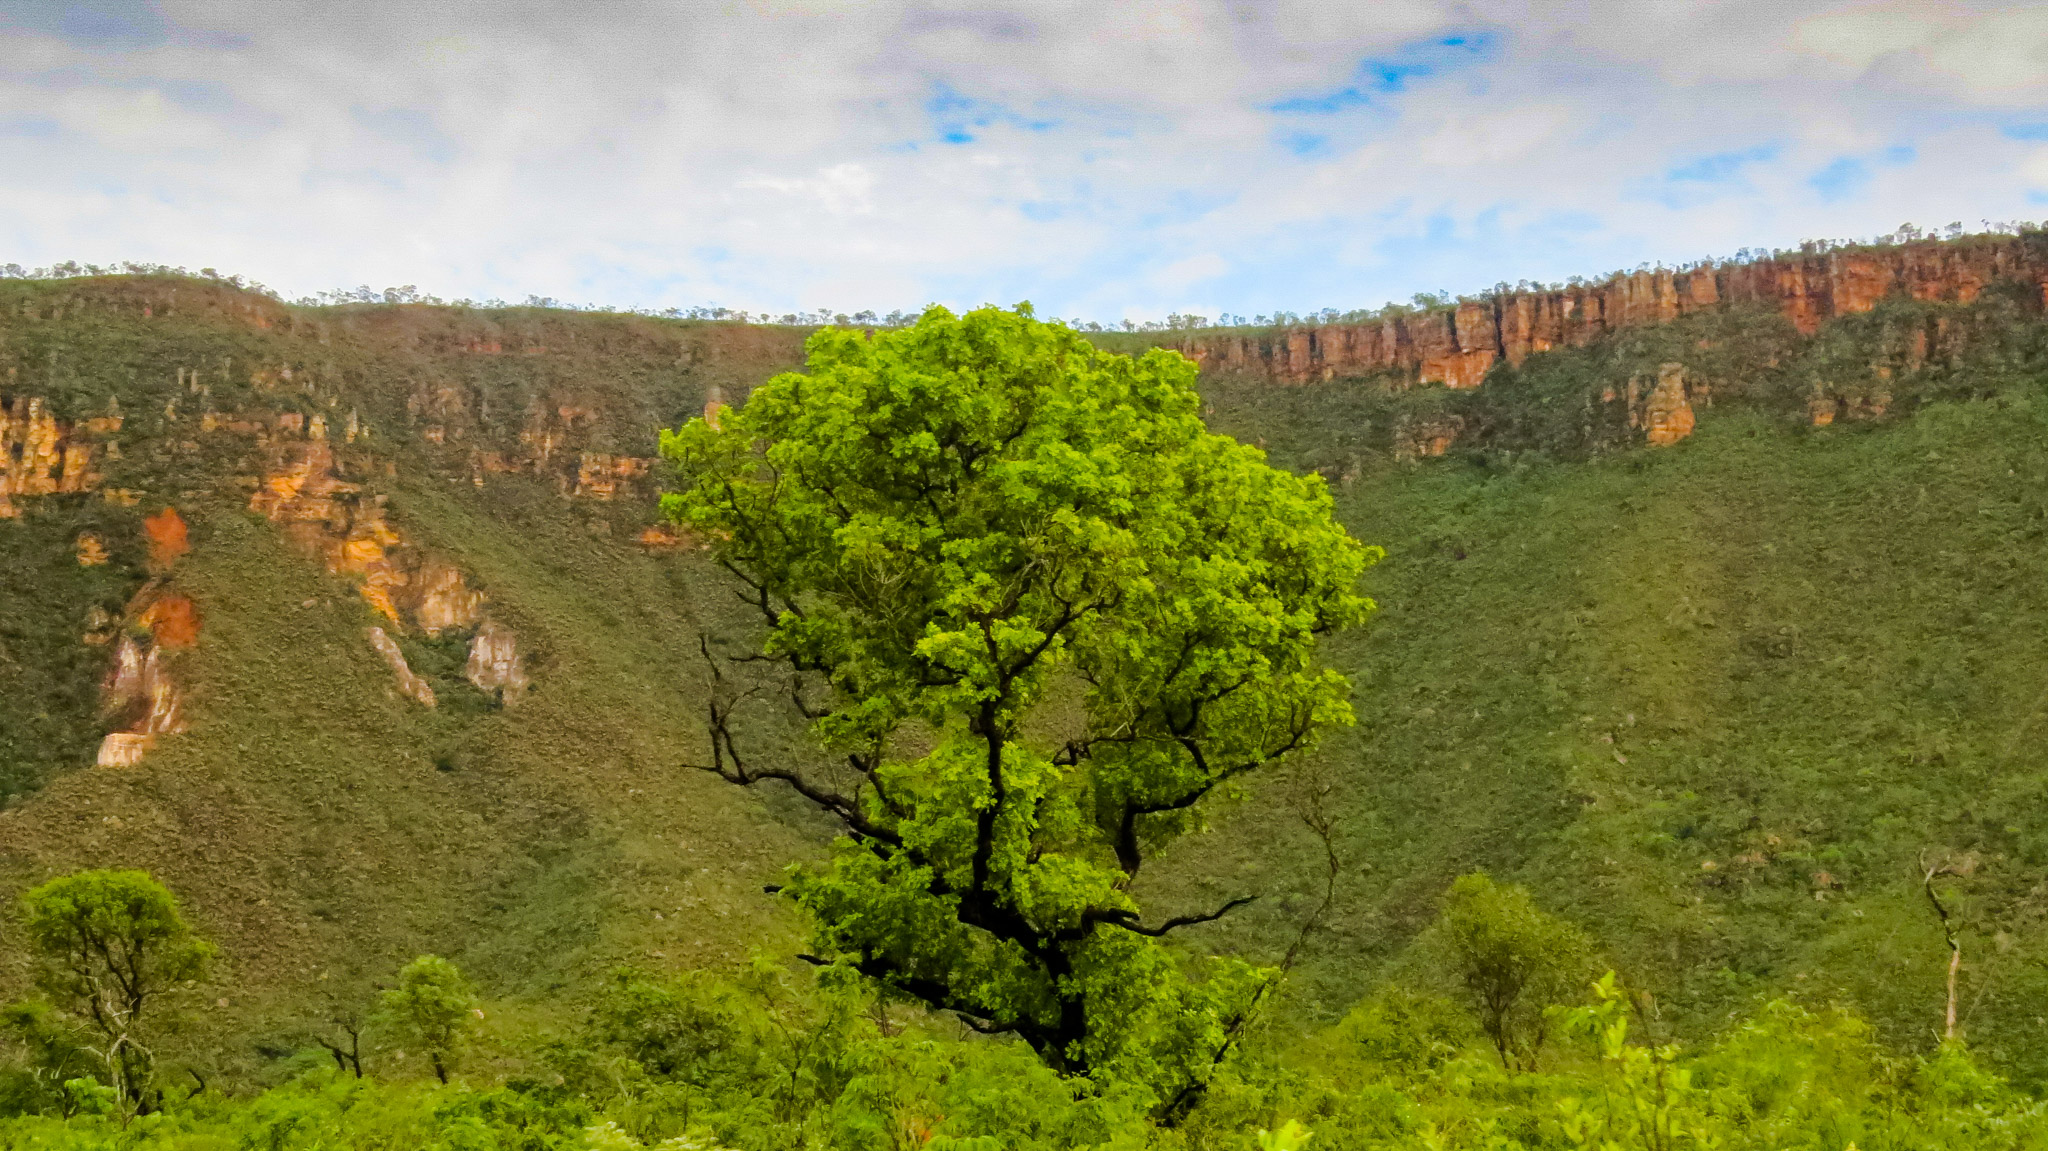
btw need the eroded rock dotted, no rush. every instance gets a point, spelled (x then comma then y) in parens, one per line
(329, 519)
(40, 455)
(494, 664)
(410, 684)
(141, 699)
(1667, 412)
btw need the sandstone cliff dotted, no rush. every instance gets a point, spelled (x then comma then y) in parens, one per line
(1456, 346)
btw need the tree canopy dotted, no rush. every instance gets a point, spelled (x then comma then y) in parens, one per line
(112, 945)
(1034, 613)
(431, 1007)
(1513, 960)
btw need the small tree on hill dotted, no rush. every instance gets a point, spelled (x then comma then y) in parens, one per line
(1512, 961)
(1035, 614)
(112, 947)
(433, 1008)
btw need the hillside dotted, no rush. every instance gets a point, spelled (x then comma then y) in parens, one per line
(1705, 625)
(324, 825)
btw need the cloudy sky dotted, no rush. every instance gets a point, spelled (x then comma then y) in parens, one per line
(1104, 160)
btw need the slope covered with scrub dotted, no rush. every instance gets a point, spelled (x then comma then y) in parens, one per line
(1711, 694)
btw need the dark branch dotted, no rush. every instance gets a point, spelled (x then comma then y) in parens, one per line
(1129, 921)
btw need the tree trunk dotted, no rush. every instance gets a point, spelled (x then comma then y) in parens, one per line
(1955, 965)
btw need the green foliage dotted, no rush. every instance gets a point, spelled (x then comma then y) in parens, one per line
(1403, 1032)
(1512, 961)
(766, 1062)
(39, 1054)
(112, 947)
(49, 603)
(433, 1008)
(1041, 612)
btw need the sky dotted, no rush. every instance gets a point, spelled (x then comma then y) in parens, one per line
(1104, 161)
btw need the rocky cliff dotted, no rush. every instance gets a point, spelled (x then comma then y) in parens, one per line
(1457, 346)
(192, 397)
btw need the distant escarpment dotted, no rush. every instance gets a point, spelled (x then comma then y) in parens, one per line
(1457, 346)
(1824, 337)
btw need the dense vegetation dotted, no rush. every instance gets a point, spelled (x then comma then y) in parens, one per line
(766, 1059)
(1720, 708)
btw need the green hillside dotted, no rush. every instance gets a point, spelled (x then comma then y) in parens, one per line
(1710, 701)
(326, 828)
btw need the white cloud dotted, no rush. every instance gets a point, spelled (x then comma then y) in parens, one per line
(1107, 158)
(840, 190)
(1491, 139)
(1190, 271)
(1997, 55)
(2035, 169)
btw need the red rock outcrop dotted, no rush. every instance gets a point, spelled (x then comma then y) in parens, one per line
(172, 620)
(1455, 347)
(168, 538)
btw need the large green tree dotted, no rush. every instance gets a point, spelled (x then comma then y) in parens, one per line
(1034, 613)
(112, 947)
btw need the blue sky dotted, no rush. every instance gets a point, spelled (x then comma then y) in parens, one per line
(1104, 161)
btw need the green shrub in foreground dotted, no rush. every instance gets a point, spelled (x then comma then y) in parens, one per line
(760, 1064)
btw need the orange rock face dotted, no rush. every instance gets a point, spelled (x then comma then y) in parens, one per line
(1667, 413)
(168, 538)
(139, 695)
(39, 454)
(602, 476)
(332, 520)
(172, 620)
(1457, 347)
(328, 518)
